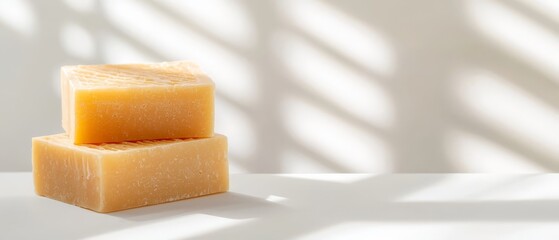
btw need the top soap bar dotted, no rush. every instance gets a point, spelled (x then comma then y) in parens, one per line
(117, 103)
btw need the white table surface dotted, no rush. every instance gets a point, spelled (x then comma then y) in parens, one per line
(308, 206)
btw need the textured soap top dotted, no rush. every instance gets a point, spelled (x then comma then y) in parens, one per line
(63, 140)
(135, 75)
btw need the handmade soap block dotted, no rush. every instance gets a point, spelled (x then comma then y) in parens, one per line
(116, 103)
(117, 176)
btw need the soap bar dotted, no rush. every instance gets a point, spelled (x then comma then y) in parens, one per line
(116, 176)
(117, 103)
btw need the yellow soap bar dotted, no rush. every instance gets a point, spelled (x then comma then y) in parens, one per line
(117, 176)
(117, 103)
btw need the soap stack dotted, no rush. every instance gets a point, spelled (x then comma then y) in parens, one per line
(136, 135)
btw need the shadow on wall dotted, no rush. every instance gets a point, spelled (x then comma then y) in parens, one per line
(315, 86)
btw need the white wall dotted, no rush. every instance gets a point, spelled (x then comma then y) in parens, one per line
(316, 85)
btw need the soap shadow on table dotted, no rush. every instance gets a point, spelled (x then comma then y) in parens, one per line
(50, 218)
(229, 205)
(315, 205)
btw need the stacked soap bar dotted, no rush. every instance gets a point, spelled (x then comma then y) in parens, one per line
(116, 103)
(136, 135)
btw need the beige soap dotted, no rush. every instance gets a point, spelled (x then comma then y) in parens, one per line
(128, 102)
(116, 176)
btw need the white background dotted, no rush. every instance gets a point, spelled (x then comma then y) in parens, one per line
(314, 86)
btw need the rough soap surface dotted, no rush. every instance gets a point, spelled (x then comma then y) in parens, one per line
(117, 103)
(116, 176)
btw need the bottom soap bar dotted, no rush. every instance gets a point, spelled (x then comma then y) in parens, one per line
(118, 176)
